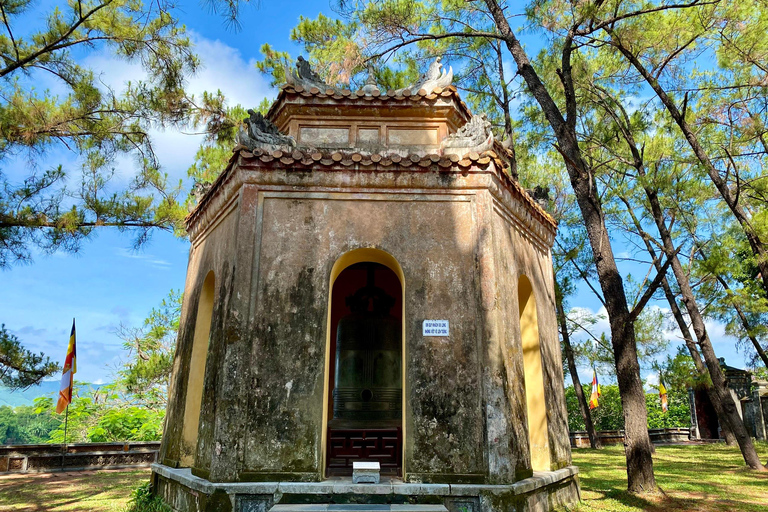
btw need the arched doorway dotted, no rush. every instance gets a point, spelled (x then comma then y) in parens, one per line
(197, 370)
(538, 435)
(365, 366)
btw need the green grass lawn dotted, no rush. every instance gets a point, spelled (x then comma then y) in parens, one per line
(705, 478)
(86, 491)
(692, 478)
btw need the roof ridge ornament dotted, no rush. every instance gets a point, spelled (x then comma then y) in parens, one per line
(260, 132)
(475, 135)
(305, 76)
(199, 189)
(436, 76)
(370, 87)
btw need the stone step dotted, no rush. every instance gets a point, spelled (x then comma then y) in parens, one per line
(332, 507)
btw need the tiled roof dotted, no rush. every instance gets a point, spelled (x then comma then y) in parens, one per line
(310, 158)
(390, 95)
(307, 159)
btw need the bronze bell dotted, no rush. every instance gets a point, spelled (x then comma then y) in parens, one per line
(368, 381)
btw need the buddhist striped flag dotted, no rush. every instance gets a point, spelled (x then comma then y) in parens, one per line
(663, 395)
(68, 374)
(593, 399)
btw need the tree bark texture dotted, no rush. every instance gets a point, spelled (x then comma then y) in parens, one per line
(637, 444)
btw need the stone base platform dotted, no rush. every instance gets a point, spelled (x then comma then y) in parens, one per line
(332, 507)
(544, 491)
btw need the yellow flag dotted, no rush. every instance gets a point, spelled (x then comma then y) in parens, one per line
(593, 399)
(68, 374)
(663, 396)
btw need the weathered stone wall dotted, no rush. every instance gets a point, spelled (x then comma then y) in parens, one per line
(508, 455)
(516, 254)
(272, 250)
(303, 235)
(213, 252)
(38, 458)
(542, 492)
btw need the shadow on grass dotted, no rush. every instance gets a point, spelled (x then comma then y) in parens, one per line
(708, 478)
(59, 492)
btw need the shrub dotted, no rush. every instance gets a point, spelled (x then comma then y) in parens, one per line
(609, 416)
(142, 500)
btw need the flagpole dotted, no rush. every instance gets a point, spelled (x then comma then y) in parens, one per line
(66, 422)
(67, 383)
(64, 451)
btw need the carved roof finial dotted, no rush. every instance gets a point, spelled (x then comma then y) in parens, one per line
(476, 136)
(260, 132)
(435, 77)
(304, 76)
(370, 86)
(199, 189)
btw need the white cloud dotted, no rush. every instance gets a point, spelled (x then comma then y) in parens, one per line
(225, 69)
(716, 331)
(584, 316)
(149, 259)
(222, 68)
(652, 381)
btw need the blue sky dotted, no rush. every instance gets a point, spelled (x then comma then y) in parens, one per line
(107, 283)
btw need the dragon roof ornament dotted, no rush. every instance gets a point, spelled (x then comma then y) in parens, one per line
(475, 136)
(304, 76)
(260, 132)
(436, 76)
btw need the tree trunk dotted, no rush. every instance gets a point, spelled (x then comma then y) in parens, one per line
(756, 244)
(730, 415)
(745, 324)
(701, 368)
(594, 441)
(638, 163)
(637, 443)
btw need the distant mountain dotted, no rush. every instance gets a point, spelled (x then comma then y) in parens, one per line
(27, 396)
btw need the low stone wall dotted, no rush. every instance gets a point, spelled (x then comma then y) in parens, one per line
(580, 439)
(670, 435)
(39, 458)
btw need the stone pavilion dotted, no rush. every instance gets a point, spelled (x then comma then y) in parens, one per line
(367, 282)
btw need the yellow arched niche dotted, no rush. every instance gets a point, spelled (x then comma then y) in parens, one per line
(538, 437)
(366, 254)
(197, 371)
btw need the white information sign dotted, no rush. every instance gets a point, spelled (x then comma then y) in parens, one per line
(435, 328)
